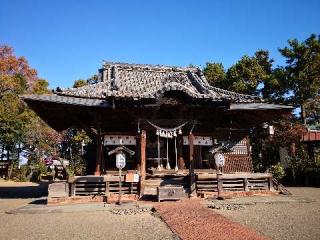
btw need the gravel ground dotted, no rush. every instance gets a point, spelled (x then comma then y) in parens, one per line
(89, 224)
(16, 194)
(293, 217)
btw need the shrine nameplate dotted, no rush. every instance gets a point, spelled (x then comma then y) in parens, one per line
(170, 193)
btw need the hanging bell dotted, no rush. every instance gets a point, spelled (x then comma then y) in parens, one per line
(174, 133)
(158, 132)
(180, 131)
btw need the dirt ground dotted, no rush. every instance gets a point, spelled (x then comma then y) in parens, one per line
(280, 218)
(73, 225)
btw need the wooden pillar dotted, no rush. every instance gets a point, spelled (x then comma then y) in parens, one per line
(181, 162)
(143, 145)
(245, 185)
(248, 146)
(107, 189)
(138, 154)
(103, 160)
(72, 189)
(99, 155)
(270, 184)
(219, 183)
(191, 165)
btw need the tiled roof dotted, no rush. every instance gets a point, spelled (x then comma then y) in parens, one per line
(65, 100)
(137, 81)
(259, 106)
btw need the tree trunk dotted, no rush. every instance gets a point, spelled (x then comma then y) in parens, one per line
(303, 115)
(294, 176)
(306, 177)
(2, 150)
(10, 166)
(18, 157)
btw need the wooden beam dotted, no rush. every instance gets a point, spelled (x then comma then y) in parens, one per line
(143, 145)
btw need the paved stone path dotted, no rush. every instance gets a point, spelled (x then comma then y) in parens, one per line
(190, 220)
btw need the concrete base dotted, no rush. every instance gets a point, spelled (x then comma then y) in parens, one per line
(111, 199)
(75, 200)
(125, 198)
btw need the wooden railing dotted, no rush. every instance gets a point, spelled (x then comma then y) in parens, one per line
(234, 182)
(105, 185)
(280, 187)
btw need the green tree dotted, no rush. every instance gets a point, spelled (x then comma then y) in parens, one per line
(19, 126)
(79, 83)
(302, 77)
(72, 148)
(265, 147)
(40, 86)
(245, 76)
(215, 74)
(313, 112)
(94, 79)
(16, 77)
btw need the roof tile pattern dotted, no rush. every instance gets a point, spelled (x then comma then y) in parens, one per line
(138, 81)
(65, 100)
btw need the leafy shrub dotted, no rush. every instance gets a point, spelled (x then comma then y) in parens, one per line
(20, 174)
(39, 169)
(277, 171)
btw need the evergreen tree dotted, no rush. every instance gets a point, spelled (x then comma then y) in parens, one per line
(302, 74)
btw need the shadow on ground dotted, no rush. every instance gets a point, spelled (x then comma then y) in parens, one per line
(36, 191)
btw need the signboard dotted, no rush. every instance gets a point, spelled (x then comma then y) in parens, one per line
(112, 140)
(219, 159)
(132, 177)
(120, 160)
(199, 141)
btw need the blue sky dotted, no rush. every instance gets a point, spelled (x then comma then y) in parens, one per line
(67, 40)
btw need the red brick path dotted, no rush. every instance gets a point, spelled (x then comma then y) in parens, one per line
(191, 220)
